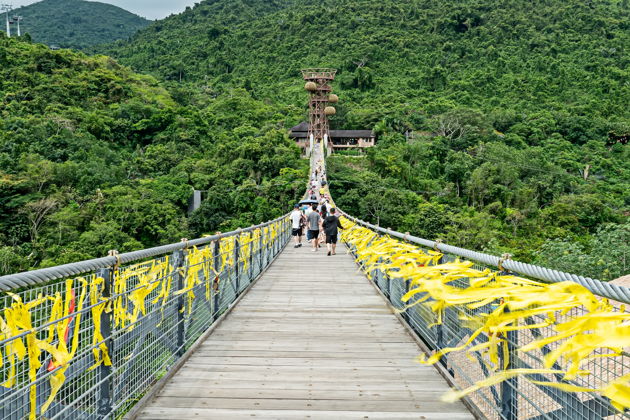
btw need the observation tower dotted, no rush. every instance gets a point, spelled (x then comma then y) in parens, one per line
(319, 85)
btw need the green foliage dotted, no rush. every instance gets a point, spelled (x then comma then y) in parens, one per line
(77, 24)
(562, 70)
(493, 196)
(95, 157)
(605, 256)
(497, 129)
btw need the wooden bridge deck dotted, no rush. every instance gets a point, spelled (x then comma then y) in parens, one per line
(311, 340)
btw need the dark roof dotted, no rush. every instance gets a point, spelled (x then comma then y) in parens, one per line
(336, 134)
(301, 131)
(300, 127)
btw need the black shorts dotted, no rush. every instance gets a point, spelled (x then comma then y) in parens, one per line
(297, 232)
(312, 234)
(331, 239)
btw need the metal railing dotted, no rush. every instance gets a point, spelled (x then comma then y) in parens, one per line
(547, 275)
(87, 340)
(514, 398)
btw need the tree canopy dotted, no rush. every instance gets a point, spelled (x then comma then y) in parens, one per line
(77, 24)
(95, 157)
(499, 129)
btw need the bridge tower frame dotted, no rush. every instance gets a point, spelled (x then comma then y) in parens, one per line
(320, 93)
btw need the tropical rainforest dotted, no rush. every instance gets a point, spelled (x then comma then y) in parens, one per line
(95, 157)
(502, 127)
(77, 24)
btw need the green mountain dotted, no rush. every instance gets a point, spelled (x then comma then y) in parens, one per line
(502, 126)
(77, 24)
(397, 56)
(515, 111)
(95, 157)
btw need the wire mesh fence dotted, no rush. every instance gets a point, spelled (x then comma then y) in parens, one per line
(518, 397)
(89, 347)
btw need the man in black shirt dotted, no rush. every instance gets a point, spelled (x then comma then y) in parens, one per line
(331, 224)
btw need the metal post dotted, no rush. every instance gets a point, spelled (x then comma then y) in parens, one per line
(217, 264)
(260, 249)
(105, 372)
(267, 250)
(440, 336)
(178, 280)
(251, 256)
(275, 245)
(509, 408)
(406, 313)
(381, 277)
(440, 342)
(509, 399)
(237, 251)
(284, 232)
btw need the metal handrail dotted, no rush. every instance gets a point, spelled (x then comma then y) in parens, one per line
(547, 275)
(108, 335)
(525, 396)
(43, 275)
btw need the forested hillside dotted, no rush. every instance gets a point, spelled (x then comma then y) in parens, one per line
(403, 57)
(502, 127)
(95, 157)
(517, 110)
(77, 24)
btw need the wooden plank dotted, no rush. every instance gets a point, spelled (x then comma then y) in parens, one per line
(202, 360)
(330, 375)
(298, 383)
(363, 355)
(311, 340)
(169, 413)
(299, 394)
(432, 404)
(286, 345)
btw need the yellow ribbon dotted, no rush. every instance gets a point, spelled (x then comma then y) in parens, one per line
(574, 342)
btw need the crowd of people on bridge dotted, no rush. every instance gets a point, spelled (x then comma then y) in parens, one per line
(317, 216)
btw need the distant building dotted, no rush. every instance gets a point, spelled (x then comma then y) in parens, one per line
(341, 139)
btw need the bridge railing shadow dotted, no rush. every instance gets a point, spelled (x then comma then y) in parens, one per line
(516, 397)
(88, 340)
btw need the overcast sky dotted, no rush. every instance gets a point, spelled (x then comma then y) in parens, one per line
(150, 9)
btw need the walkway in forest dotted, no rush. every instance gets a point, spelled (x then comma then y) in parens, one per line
(311, 340)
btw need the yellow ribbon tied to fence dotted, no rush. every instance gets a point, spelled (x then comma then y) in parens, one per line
(56, 338)
(18, 323)
(593, 329)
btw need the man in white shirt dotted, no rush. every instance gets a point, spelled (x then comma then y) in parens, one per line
(296, 225)
(307, 211)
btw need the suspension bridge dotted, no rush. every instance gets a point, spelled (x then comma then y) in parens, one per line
(240, 325)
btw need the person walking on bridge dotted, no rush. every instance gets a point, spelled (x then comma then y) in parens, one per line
(313, 219)
(331, 225)
(323, 212)
(297, 221)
